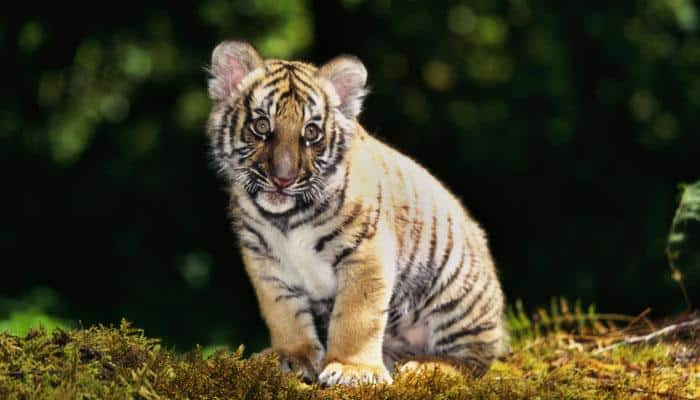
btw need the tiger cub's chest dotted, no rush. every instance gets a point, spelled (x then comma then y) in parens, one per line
(301, 264)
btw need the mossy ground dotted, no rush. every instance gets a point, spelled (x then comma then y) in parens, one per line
(121, 363)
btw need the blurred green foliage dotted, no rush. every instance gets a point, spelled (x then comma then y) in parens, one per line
(683, 249)
(33, 310)
(564, 127)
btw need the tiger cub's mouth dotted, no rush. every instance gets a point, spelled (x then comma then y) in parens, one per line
(275, 201)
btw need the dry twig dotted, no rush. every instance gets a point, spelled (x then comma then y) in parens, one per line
(651, 336)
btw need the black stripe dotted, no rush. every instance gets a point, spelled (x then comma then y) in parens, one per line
(339, 155)
(257, 250)
(283, 96)
(431, 259)
(415, 221)
(418, 225)
(290, 290)
(394, 316)
(349, 250)
(337, 231)
(450, 280)
(480, 346)
(248, 99)
(486, 311)
(310, 100)
(402, 216)
(334, 135)
(471, 331)
(320, 209)
(253, 247)
(303, 70)
(300, 93)
(233, 126)
(380, 196)
(406, 271)
(271, 95)
(433, 240)
(288, 296)
(448, 247)
(490, 302)
(218, 147)
(242, 214)
(257, 234)
(274, 65)
(274, 81)
(272, 72)
(298, 86)
(268, 106)
(467, 311)
(222, 130)
(447, 307)
(307, 85)
(269, 81)
(364, 233)
(443, 264)
(341, 200)
(280, 283)
(332, 149)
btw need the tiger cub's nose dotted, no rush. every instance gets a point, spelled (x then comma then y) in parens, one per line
(282, 182)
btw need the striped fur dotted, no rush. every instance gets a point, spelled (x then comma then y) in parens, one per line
(366, 245)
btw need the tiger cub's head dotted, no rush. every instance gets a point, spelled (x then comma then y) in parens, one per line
(279, 128)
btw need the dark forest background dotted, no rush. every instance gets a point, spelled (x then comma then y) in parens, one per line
(565, 127)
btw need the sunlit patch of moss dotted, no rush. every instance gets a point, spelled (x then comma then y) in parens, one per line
(118, 363)
(643, 354)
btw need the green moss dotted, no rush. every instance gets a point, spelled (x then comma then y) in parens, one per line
(121, 363)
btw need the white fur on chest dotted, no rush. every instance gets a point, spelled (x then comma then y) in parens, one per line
(300, 264)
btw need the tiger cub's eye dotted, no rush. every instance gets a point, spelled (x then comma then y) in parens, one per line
(262, 126)
(312, 134)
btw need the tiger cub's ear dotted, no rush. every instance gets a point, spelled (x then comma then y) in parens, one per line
(348, 77)
(231, 61)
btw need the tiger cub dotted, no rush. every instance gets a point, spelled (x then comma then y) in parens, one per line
(342, 234)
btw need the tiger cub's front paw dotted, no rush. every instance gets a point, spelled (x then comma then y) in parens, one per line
(304, 362)
(336, 373)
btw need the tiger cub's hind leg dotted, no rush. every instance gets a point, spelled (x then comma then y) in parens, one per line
(474, 360)
(459, 346)
(447, 365)
(394, 357)
(471, 357)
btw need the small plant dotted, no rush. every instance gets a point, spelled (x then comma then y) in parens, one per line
(683, 248)
(563, 318)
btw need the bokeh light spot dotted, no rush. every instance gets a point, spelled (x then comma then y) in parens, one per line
(137, 62)
(31, 36)
(438, 75)
(643, 105)
(192, 109)
(195, 268)
(461, 20)
(114, 107)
